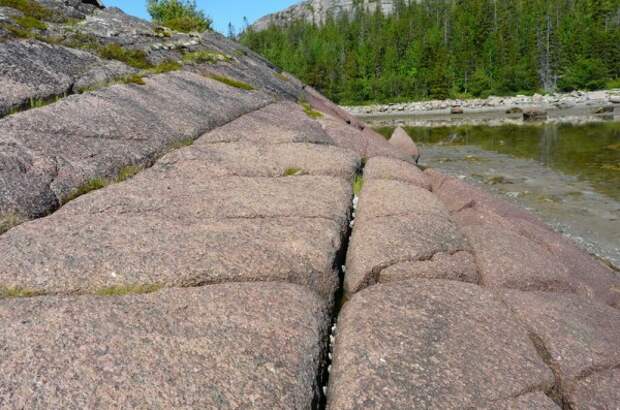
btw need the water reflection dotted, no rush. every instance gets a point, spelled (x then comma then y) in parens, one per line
(590, 152)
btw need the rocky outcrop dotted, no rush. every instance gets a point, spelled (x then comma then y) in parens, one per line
(316, 11)
(201, 234)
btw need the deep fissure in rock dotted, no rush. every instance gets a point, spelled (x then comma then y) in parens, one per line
(339, 301)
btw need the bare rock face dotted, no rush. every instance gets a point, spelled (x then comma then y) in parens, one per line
(190, 227)
(223, 346)
(95, 135)
(395, 170)
(433, 345)
(401, 140)
(316, 11)
(32, 70)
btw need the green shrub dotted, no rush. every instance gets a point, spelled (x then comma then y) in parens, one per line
(133, 58)
(232, 82)
(179, 15)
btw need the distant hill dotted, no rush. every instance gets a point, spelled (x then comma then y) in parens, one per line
(316, 11)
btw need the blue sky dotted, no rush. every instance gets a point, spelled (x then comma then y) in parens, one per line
(221, 11)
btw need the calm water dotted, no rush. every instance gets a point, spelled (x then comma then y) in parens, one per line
(589, 152)
(567, 174)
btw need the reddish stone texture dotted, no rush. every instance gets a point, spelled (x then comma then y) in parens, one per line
(578, 338)
(321, 103)
(599, 391)
(366, 144)
(431, 344)
(460, 266)
(215, 347)
(401, 140)
(394, 169)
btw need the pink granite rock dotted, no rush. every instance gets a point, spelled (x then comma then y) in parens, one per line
(223, 346)
(431, 344)
(460, 266)
(579, 340)
(395, 169)
(401, 140)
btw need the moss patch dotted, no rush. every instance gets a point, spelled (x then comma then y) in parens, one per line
(92, 185)
(31, 23)
(358, 184)
(165, 67)
(291, 172)
(10, 220)
(205, 56)
(10, 293)
(29, 8)
(133, 58)
(232, 82)
(123, 290)
(310, 112)
(127, 172)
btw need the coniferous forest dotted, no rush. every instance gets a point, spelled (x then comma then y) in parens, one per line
(452, 48)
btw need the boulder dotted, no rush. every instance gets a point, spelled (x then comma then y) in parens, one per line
(534, 114)
(401, 140)
(457, 109)
(431, 344)
(221, 346)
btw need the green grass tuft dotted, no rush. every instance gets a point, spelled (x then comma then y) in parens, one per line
(132, 79)
(31, 23)
(10, 220)
(165, 67)
(310, 112)
(232, 82)
(281, 76)
(92, 185)
(358, 183)
(291, 172)
(127, 172)
(133, 58)
(10, 293)
(205, 56)
(180, 144)
(123, 290)
(29, 8)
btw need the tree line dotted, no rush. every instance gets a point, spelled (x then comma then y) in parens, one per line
(451, 48)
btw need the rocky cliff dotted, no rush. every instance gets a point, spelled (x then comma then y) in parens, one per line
(182, 233)
(316, 11)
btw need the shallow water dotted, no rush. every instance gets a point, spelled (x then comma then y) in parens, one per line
(567, 174)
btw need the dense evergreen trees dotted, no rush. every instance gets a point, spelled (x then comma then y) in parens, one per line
(449, 48)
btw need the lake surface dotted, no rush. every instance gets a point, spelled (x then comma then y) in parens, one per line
(567, 174)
